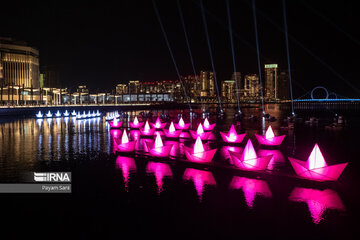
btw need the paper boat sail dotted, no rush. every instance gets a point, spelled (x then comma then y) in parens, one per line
(125, 145)
(136, 123)
(198, 153)
(315, 168)
(269, 139)
(232, 136)
(208, 126)
(115, 123)
(171, 132)
(182, 125)
(158, 149)
(248, 159)
(158, 124)
(200, 133)
(147, 131)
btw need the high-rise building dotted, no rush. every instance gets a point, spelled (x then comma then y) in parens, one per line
(121, 89)
(237, 76)
(251, 86)
(283, 86)
(134, 86)
(50, 77)
(228, 91)
(19, 64)
(271, 90)
(207, 82)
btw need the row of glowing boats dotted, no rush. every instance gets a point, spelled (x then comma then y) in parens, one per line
(112, 115)
(315, 168)
(318, 200)
(78, 115)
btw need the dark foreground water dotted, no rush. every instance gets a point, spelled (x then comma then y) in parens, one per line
(137, 197)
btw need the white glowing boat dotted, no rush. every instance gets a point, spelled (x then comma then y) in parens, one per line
(39, 115)
(49, 114)
(66, 113)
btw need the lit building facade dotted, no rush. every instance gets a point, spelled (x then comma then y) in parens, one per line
(271, 81)
(251, 86)
(121, 88)
(228, 91)
(207, 84)
(283, 86)
(19, 64)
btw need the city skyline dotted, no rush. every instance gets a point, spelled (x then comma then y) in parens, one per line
(131, 46)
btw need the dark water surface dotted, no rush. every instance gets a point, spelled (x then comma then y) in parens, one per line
(137, 196)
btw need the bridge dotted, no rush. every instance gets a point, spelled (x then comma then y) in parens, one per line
(327, 98)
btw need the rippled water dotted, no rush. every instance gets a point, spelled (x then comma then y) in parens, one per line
(115, 195)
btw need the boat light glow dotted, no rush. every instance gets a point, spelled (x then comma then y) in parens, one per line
(136, 123)
(232, 136)
(147, 131)
(172, 133)
(198, 152)
(200, 133)
(158, 124)
(315, 168)
(248, 160)
(182, 125)
(269, 139)
(115, 123)
(158, 149)
(208, 126)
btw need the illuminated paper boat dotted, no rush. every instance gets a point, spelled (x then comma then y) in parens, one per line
(39, 115)
(125, 145)
(182, 125)
(200, 133)
(269, 139)
(136, 123)
(198, 153)
(160, 170)
(248, 160)
(66, 113)
(318, 201)
(225, 152)
(158, 149)
(115, 123)
(49, 114)
(208, 126)
(200, 179)
(147, 131)
(232, 136)
(58, 114)
(98, 114)
(251, 188)
(158, 124)
(172, 133)
(73, 113)
(315, 168)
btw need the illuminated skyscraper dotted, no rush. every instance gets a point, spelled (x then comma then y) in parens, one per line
(207, 84)
(251, 86)
(271, 81)
(228, 91)
(283, 86)
(134, 86)
(19, 64)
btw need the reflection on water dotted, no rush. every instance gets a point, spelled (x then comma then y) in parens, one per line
(160, 170)
(277, 159)
(318, 201)
(251, 188)
(127, 166)
(200, 178)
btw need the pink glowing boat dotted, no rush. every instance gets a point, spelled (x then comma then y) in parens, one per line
(318, 201)
(158, 149)
(198, 153)
(158, 124)
(182, 125)
(172, 133)
(200, 133)
(269, 139)
(136, 123)
(208, 126)
(248, 160)
(232, 136)
(315, 168)
(125, 145)
(147, 131)
(160, 170)
(251, 188)
(115, 123)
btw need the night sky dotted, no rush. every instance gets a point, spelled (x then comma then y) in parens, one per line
(101, 44)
